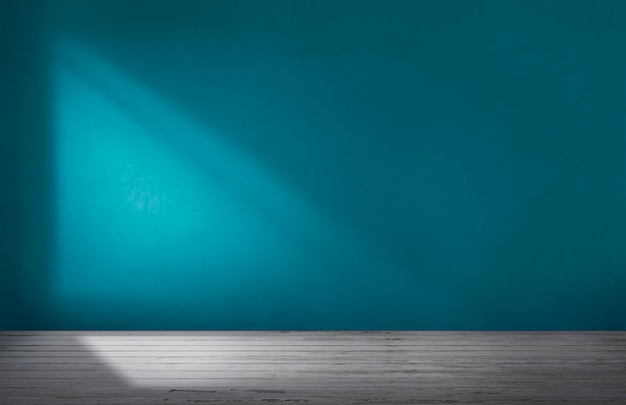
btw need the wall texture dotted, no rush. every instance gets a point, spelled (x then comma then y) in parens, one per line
(314, 165)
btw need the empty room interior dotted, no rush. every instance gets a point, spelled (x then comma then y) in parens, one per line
(313, 202)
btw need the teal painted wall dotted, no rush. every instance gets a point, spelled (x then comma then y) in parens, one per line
(314, 165)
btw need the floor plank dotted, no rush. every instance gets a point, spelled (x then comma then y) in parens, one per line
(351, 367)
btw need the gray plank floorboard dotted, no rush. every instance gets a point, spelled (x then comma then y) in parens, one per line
(224, 367)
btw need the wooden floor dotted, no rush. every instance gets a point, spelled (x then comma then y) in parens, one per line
(313, 368)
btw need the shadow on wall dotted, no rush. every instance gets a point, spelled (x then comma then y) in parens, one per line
(26, 170)
(339, 165)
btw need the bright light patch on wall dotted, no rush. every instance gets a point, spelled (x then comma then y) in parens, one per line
(149, 202)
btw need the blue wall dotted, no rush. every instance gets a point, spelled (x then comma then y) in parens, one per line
(315, 165)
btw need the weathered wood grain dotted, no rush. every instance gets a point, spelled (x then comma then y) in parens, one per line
(223, 367)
